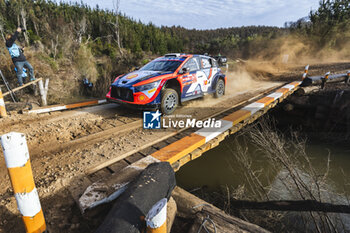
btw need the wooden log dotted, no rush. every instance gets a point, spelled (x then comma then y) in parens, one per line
(171, 213)
(62, 107)
(109, 188)
(157, 181)
(287, 205)
(190, 206)
(21, 87)
(317, 80)
(307, 90)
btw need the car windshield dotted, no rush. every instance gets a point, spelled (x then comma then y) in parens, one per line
(162, 65)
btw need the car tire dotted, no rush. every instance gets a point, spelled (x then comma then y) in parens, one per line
(169, 102)
(219, 88)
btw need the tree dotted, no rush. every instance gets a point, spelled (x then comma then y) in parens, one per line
(116, 24)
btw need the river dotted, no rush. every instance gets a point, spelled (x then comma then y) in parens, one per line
(218, 167)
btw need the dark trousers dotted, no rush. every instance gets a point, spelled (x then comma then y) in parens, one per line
(19, 66)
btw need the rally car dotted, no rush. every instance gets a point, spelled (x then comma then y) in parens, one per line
(169, 81)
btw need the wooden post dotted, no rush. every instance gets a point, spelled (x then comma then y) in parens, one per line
(347, 79)
(325, 79)
(305, 72)
(3, 112)
(21, 87)
(43, 91)
(156, 217)
(17, 160)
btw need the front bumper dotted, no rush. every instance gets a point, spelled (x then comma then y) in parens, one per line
(134, 106)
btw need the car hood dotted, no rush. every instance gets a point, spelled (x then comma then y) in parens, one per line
(137, 76)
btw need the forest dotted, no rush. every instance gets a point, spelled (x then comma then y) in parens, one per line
(77, 40)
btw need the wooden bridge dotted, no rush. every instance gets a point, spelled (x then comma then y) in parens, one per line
(107, 181)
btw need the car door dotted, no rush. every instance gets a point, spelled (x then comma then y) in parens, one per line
(207, 72)
(191, 86)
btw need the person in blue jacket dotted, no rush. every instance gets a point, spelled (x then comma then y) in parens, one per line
(18, 57)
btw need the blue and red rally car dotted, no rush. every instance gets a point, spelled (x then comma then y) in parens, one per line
(168, 81)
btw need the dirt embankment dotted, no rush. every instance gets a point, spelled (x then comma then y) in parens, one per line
(290, 72)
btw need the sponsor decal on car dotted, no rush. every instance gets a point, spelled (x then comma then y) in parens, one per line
(132, 76)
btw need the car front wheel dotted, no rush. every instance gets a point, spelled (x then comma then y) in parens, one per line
(170, 100)
(219, 88)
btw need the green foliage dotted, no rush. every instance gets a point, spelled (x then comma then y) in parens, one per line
(86, 63)
(145, 61)
(47, 19)
(55, 23)
(33, 37)
(331, 22)
(48, 60)
(328, 28)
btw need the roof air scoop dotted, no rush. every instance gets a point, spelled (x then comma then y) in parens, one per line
(172, 55)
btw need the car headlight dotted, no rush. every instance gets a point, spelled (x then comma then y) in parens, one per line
(148, 86)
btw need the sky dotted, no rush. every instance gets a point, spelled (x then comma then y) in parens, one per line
(211, 14)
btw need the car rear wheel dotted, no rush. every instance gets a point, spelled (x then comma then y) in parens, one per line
(170, 100)
(219, 88)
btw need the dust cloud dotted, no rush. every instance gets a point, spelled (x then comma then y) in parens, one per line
(240, 80)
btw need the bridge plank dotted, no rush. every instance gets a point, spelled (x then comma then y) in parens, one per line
(179, 149)
(283, 90)
(266, 100)
(237, 116)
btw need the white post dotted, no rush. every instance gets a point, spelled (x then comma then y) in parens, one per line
(156, 217)
(43, 91)
(17, 160)
(46, 89)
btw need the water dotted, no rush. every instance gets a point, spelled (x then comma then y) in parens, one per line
(219, 168)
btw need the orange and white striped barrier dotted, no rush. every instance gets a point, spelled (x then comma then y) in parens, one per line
(326, 76)
(3, 112)
(17, 160)
(325, 79)
(186, 145)
(306, 71)
(67, 106)
(156, 217)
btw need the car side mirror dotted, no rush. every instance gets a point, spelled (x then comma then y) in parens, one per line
(184, 70)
